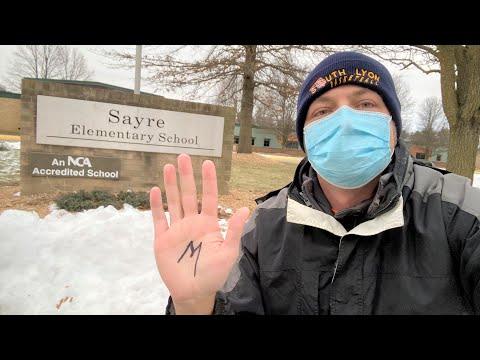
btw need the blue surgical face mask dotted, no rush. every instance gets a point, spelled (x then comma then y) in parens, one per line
(349, 148)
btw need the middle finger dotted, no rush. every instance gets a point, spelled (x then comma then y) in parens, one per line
(187, 184)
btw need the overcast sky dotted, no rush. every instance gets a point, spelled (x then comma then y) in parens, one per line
(421, 85)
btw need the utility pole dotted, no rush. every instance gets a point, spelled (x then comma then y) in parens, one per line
(138, 67)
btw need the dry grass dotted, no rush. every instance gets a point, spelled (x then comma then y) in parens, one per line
(252, 176)
(258, 174)
(237, 199)
(38, 203)
(256, 159)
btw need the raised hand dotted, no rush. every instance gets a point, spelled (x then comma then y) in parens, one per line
(192, 257)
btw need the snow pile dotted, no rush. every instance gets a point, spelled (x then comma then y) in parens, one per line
(476, 180)
(95, 262)
(13, 145)
(10, 164)
(224, 212)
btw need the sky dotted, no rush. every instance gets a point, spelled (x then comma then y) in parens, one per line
(421, 85)
(96, 62)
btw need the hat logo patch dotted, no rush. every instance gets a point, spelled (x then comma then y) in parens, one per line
(320, 83)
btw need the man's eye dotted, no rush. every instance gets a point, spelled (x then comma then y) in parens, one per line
(320, 113)
(366, 105)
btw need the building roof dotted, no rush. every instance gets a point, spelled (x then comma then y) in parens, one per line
(255, 126)
(91, 83)
(10, 95)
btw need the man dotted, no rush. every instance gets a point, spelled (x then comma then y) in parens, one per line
(361, 229)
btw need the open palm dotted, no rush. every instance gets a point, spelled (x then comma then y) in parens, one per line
(192, 257)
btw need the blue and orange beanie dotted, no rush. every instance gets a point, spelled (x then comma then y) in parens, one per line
(345, 68)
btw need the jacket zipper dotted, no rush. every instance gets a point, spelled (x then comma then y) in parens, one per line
(388, 205)
(339, 246)
(305, 199)
(336, 262)
(309, 204)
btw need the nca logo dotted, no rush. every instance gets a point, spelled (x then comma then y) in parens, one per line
(79, 161)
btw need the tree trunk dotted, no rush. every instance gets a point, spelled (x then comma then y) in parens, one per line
(246, 111)
(428, 152)
(462, 149)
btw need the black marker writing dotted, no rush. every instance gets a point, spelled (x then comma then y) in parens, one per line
(192, 250)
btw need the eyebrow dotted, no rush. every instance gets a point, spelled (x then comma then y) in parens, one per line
(330, 98)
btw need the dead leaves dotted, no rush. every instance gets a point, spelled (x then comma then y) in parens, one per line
(64, 300)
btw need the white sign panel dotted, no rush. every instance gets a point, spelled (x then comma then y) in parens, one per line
(72, 122)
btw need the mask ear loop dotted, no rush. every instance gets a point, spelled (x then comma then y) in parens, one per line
(392, 151)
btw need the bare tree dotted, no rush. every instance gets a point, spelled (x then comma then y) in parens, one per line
(406, 102)
(285, 121)
(278, 109)
(443, 137)
(262, 113)
(432, 122)
(229, 93)
(73, 64)
(459, 69)
(44, 62)
(203, 67)
(35, 61)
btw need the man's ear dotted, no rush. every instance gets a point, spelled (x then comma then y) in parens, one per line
(395, 134)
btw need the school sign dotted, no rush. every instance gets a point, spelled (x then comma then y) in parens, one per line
(93, 124)
(92, 136)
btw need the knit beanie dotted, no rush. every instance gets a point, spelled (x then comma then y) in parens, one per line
(344, 68)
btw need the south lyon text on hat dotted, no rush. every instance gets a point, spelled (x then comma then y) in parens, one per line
(340, 76)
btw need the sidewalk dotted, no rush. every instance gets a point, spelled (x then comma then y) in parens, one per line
(9, 137)
(282, 158)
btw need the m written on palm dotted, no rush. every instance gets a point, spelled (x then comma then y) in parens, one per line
(192, 257)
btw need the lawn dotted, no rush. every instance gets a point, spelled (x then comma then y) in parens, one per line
(254, 172)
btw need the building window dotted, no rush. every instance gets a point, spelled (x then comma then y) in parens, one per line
(420, 156)
(439, 157)
(253, 141)
(266, 142)
(236, 139)
(292, 145)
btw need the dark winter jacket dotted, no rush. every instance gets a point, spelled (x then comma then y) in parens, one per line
(413, 249)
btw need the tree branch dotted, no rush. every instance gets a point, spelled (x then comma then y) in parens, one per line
(420, 68)
(427, 49)
(418, 56)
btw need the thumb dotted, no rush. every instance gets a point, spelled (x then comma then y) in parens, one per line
(235, 228)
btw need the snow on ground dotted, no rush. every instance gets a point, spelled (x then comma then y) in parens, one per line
(10, 162)
(94, 262)
(12, 144)
(102, 259)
